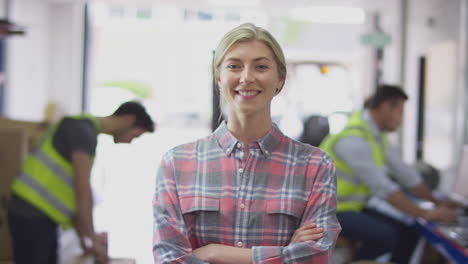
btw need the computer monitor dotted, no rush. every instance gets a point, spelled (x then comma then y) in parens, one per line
(460, 186)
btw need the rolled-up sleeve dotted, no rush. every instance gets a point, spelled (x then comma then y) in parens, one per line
(170, 240)
(320, 209)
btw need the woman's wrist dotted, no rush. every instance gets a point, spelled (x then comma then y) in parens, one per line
(207, 253)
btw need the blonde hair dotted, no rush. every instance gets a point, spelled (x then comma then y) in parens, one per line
(246, 32)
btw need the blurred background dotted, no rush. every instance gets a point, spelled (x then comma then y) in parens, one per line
(68, 57)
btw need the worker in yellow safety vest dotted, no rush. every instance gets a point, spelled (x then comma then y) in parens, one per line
(368, 166)
(53, 187)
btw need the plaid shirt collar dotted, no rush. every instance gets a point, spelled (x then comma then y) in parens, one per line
(266, 144)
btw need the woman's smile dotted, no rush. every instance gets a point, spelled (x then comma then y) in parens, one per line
(247, 94)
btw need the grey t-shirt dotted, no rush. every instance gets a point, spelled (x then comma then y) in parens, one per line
(75, 135)
(356, 152)
(72, 135)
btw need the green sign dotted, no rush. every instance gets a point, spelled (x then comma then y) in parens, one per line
(376, 39)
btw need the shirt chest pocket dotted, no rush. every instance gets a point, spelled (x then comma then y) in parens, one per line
(284, 216)
(201, 214)
(193, 204)
(293, 208)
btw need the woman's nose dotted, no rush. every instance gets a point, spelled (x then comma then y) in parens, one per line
(247, 75)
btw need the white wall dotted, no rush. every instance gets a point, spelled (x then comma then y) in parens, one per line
(430, 23)
(342, 43)
(390, 17)
(44, 65)
(3, 9)
(27, 62)
(66, 23)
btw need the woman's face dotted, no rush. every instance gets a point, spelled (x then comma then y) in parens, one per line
(248, 78)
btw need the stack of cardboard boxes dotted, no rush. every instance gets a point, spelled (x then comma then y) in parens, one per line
(16, 139)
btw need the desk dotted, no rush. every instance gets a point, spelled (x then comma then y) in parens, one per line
(442, 243)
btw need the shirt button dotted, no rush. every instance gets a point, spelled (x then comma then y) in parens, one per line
(241, 170)
(266, 152)
(242, 206)
(239, 145)
(240, 244)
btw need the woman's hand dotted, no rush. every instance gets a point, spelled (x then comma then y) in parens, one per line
(206, 253)
(223, 254)
(307, 232)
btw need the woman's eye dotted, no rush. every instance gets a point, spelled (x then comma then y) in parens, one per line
(233, 66)
(262, 67)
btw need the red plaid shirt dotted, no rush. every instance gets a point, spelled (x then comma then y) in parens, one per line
(207, 193)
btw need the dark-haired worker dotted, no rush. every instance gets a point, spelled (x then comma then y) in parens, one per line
(53, 187)
(367, 165)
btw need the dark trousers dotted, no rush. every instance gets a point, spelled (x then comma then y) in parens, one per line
(376, 234)
(34, 239)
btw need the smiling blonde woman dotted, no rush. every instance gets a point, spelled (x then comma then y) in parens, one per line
(247, 193)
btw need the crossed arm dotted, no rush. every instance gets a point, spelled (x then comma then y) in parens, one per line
(171, 242)
(216, 253)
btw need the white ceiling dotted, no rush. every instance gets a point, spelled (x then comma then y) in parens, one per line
(369, 5)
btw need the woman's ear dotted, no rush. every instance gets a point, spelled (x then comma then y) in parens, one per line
(280, 85)
(218, 83)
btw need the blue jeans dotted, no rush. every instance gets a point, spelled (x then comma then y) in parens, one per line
(34, 238)
(376, 234)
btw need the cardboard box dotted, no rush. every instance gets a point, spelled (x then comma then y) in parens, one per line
(6, 253)
(16, 139)
(13, 150)
(33, 130)
(90, 260)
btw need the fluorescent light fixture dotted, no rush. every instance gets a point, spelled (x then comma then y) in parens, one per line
(235, 3)
(329, 14)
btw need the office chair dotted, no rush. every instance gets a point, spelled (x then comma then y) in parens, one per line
(316, 127)
(430, 174)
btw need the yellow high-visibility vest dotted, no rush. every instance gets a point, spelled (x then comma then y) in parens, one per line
(46, 179)
(352, 195)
